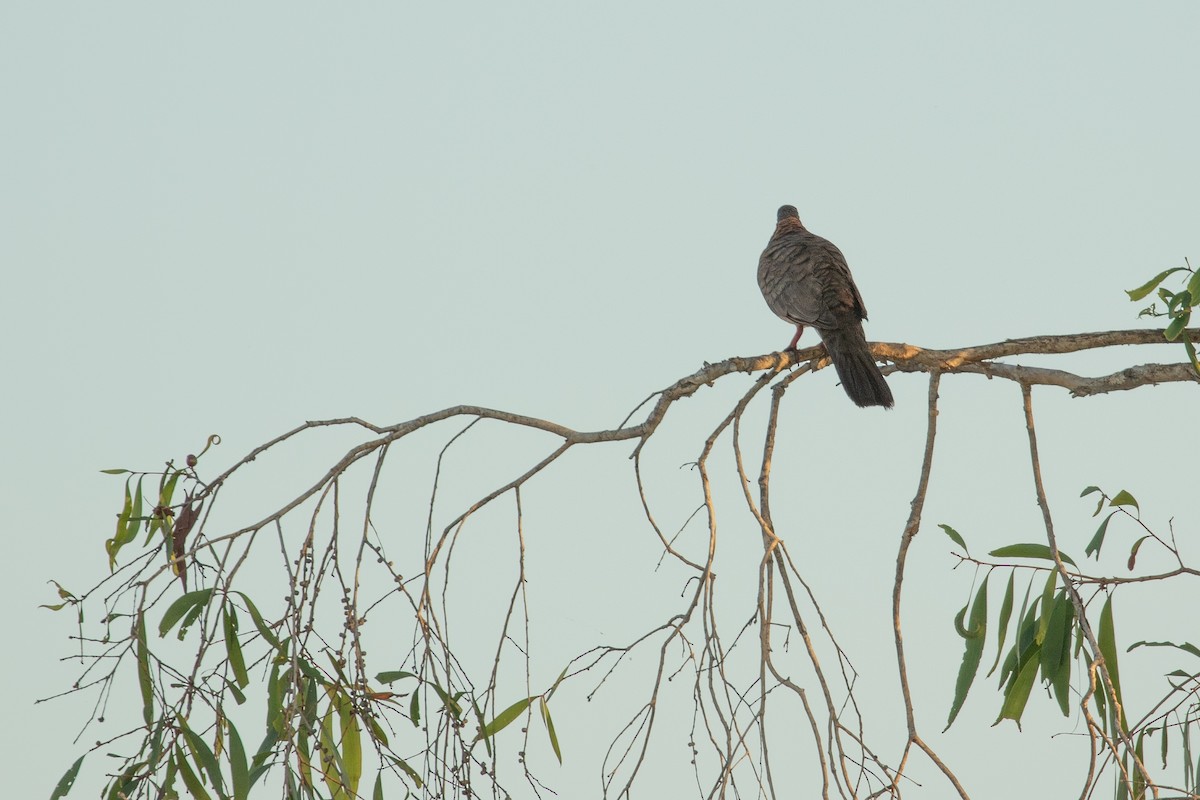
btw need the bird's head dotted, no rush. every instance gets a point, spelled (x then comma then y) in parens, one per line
(787, 212)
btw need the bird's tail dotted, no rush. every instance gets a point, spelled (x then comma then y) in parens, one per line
(856, 367)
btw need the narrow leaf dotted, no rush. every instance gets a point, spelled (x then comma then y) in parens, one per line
(449, 702)
(181, 606)
(203, 756)
(1139, 780)
(1047, 607)
(1029, 550)
(412, 773)
(1134, 551)
(191, 780)
(1186, 647)
(1006, 608)
(954, 536)
(1056, 651)
(1097, 541)
(1191, 351)
(68, 779)
(1176, 326)
(1016, 695)
(1149, 286)
(972, 652)
(263, 629)
(239, 768)
(959, 622)
(331, 759)
(549, 723)
(393, 676)
(505, 718)
(233, 649)
(1108, 649)
(145, 680)
(351, 744)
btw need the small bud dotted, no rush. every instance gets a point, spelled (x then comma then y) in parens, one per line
(191, 460)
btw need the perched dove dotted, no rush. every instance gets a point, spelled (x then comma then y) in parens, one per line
(806, 281)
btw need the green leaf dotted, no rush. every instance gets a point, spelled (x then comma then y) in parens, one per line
(959, 622)
(414, 709)
(125, 785)
(1108, 649)
(449, 702)
(1124, 498)
(337, 668)
(1193, 286)
(1134, 551)
(239, 769)
(393, 676)
(972, 652)
(1089, 490)
(1023, 640)
(1149, 286)
(505, 718)
(412, 773)
(266, 749)
(1186, 647)
(233, 649)
(167, 490)
(1016, 695)
(263, 629)
(1179, 302)
(549, 723)
(203, 756)
(377, 794)
(192, 615)
(1097, 541)
(1176, 326)
(1055, 655)
(1006, 608)
(351, 744)
(554, 688)
(954, 537)
(1029, 550)
(1191, 351)
(275, 688)
(1139, 780)
(487, 743)
(182, 605)
(145, 680)
(120, 537)
(1047, 607)
(68, 779)
(190, 779)
(331, 760)
(376, 731)
(115, 471)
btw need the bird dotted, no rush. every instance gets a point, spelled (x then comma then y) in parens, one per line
(806, 281)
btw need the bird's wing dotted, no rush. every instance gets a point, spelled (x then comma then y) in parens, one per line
(805, 280)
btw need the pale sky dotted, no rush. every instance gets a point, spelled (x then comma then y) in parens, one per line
(231, 218)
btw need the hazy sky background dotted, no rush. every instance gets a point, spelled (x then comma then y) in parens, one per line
(232, 218)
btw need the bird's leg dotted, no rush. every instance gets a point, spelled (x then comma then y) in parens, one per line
(796, 338)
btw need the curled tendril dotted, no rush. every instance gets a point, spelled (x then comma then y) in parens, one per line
(214, 439)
